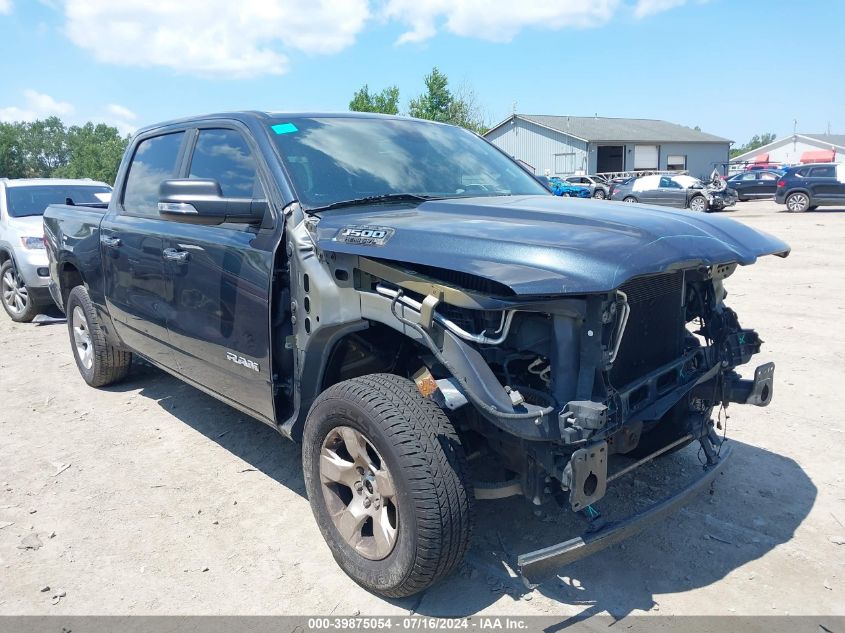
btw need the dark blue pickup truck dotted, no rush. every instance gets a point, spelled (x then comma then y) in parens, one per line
(399, 294)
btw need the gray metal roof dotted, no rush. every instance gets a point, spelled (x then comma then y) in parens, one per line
(627, 130)
(833, 139)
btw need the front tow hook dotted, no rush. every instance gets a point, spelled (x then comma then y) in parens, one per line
(758, 391)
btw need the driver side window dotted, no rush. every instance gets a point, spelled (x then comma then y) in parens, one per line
(223, 155)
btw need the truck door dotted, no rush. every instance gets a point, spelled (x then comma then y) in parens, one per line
(139, 293)
(220, 322)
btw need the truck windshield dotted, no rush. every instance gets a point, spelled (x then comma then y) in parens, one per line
(336, 159)
(27, 201)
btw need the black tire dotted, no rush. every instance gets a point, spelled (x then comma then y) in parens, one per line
(630, 199)
(22, 308)
(599, 194)
(108, 364)
(797, 202)
(700, 202)
(419, 447)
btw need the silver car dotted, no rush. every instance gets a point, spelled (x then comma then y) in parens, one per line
(24, 273)
(598, 186)
(684, 192)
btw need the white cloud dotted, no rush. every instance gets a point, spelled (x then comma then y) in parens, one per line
(36, 106)
(5, 7)
(121, 112)
(495, 20)
(248, 38)
(645, 8)
(121, 117)
(213, 37)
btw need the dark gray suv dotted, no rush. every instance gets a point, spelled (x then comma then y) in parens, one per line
(806, 187)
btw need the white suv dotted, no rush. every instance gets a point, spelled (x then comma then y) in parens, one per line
(24, 273)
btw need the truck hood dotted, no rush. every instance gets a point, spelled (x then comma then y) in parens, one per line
(542, 245)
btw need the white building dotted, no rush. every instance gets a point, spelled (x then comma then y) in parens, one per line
(795, 149)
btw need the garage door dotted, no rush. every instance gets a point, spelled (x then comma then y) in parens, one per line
(645, 156)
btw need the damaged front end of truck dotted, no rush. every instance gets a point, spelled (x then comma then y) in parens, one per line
(630, 359)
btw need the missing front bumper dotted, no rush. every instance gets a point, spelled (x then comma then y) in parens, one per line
(537, 565)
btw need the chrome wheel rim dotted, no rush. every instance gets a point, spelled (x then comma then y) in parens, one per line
(599, 194)
(15, 294)
(82, 338)
(359, 493)
(797, 202)
(629, 200)
(698, 204)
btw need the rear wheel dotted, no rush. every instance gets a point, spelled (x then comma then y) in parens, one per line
(698, 203)
(630, 199)
(388, 484)
(99, 363)
(15, 295)
(798, 202)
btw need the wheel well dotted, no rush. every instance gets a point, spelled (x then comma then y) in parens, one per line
(378, 349)
(4, 255)
(69, 278)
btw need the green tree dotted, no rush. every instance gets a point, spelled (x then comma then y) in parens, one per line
(757, 141)
(12, 161)
(94, 152)
(439, 103)
(435, 104)
(386, 101)
(45, 146)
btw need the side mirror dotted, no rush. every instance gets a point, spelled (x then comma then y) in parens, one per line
(201, 201)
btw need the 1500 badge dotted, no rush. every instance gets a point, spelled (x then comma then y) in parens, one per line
(364, 235)
(240, 360)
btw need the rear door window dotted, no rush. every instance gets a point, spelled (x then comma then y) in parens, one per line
(155, 160)
(223, 155)
(825, 171)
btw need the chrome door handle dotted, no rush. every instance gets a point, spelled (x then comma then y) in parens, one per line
(173, 255)
(110, 242)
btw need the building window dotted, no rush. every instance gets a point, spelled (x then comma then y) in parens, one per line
(565, 163)
(676, 162)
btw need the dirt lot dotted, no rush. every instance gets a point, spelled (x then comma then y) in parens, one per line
(152, 498)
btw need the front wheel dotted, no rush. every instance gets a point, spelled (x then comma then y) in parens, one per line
(599, 194)
(798, 202)
(698, 203)
(388, 484)
(15, 295)
(99, 363)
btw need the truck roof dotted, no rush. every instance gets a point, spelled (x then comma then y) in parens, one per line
(28, 182)
(259, 116)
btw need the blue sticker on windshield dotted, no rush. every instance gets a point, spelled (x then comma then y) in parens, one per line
(284, 128)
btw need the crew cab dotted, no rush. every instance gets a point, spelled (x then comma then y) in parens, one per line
(398, 294)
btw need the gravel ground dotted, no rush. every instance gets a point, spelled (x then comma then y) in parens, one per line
(153, 498)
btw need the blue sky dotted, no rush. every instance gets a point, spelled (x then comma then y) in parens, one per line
(733, 67)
